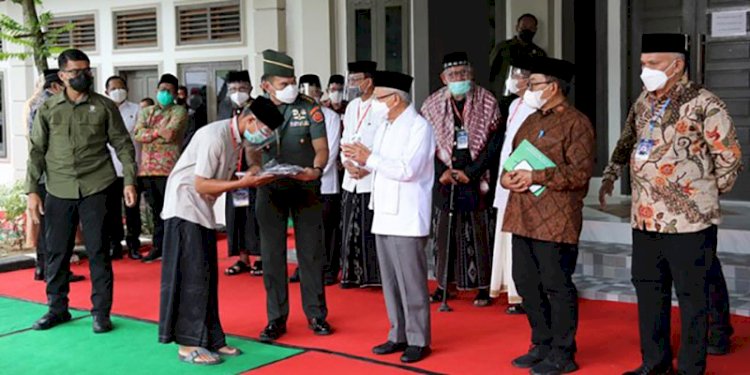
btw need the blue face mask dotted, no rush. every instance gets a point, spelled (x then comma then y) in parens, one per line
(459, 88)
(164, 98)
(254, 138)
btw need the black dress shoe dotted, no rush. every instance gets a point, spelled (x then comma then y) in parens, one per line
(536, 354)
(389, 347)
(273, 331)
(73, 278)
(344, 285)
(115, 251)
(329, 279)
(649, 370)
(151, 256)
(295, 276)
(554, 366)
(50, 320)
(720, 346)
(515, 309)
(134, 254)
(102, 324)
(39, 273)
(320, 327)
(415, 353)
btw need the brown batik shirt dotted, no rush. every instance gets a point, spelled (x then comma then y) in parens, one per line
(566, 137)
(695, 157)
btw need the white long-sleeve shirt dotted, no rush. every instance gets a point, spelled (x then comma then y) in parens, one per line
(129, 112)
(517, 114)
(359, 125)
(403, 171)
(329, 181)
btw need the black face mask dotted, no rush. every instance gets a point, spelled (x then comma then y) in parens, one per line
(81, 83)
(526, 35)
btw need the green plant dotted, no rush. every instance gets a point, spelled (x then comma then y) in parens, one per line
(33, 34)
(13, 207)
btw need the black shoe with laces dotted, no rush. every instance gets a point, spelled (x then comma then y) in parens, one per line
(50, 320)
(389, 347)
(665, 369)
(273, 331)
(320, 327)
(536, 354)
(415, 353)
(555, 365)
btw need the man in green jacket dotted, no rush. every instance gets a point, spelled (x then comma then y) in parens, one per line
(68, 144)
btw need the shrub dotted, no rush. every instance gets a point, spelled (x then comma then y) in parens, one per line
(13, 207)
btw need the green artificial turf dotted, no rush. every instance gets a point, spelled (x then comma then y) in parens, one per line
(131, 348)
(16, 315)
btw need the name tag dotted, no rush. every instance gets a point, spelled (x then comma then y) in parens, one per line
(643, 150)
(462, 140)
(298, 123)
(241, 197)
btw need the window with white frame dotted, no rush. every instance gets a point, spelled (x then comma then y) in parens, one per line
(136, 28)
(81, 36)
(378, 30)
(215, 22)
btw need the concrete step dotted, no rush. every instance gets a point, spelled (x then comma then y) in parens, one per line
(609, 289)
(614, 261)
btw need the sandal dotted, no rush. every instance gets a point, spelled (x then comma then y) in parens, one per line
(194, 357)
(237, 269)
(229, 351)
(515, 309)
(257, 268)
(482, 299)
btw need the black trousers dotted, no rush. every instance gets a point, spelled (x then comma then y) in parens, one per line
(189, 302)
(719, 325)
(115, 204)
(332, 232)
(685, 260)
(41, 240)
(61, 220)
(154, 187)
(275, 203)
(543, 273)
(243, 232)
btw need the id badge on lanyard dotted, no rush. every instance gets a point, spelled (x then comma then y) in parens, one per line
(462, 139)
(241, 197)
(646, 144)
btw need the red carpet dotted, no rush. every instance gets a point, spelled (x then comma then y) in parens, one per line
(469, 340)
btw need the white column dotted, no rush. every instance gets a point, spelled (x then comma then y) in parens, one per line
(614, 71)
(308, 25)
(269, 31)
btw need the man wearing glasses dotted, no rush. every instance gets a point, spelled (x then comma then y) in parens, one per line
(546, 225)
(463, 116)
(68, 144)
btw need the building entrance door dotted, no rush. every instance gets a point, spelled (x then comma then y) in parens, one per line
(717, 61)
(142, 82)
(207, 79)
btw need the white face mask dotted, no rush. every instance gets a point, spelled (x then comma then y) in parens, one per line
(118, 95)
(288, 95)
(512, 85)
(379, 110)
(335, 96)
(654, 79)
(239, 98)
(534, 99)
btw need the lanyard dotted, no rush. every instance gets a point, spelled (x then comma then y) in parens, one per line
(513, 115)
(656, 116)
(458, 113)
(235, 142)
(360, 119)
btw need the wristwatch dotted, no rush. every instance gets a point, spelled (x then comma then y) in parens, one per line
(321, 171)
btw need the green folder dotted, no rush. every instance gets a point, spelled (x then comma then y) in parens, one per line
(527, 157)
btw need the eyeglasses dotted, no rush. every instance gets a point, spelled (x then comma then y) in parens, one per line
(379, 98)
(457, 73)
(77, 72)
(532, 84)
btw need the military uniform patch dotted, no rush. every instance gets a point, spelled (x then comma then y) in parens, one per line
(316, 114)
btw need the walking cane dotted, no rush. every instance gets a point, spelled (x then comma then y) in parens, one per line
(444, 305)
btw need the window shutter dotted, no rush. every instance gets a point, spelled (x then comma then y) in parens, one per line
(136, 28)
(82, 36)
(212, 23)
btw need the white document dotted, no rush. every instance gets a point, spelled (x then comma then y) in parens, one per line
(729, 23)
